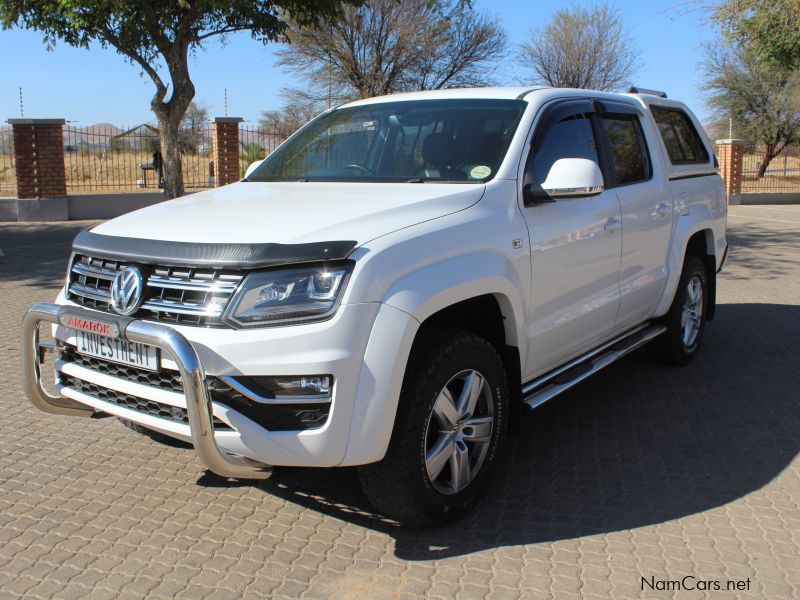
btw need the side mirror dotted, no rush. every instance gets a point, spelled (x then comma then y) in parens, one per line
(573, 178)
(253, 166)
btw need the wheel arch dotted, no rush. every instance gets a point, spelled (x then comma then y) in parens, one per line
(485, 315)
(458, 292)
(475, 279)
(693, 236)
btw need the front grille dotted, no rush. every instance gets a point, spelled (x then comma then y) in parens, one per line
(172, 294)
(165, 379)
(142, 405)
(275, 417)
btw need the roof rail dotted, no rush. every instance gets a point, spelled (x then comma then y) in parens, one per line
(641, 90)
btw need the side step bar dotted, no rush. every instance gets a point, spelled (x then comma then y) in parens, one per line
(540, 390)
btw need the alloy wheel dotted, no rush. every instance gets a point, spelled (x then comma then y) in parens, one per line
(459, 431)
(692, 314)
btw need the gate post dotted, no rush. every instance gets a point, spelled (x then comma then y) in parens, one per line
(225, 143)
(730, 154)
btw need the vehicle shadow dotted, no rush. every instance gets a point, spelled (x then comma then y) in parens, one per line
(635, 445)
(755, 250)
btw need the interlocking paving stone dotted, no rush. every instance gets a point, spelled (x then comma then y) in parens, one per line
(641, 471)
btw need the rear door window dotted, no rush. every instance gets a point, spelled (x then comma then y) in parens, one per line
(629, 159)
(683, 143)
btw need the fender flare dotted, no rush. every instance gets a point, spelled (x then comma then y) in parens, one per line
(434, 287)
(698, 218)
(407, 303)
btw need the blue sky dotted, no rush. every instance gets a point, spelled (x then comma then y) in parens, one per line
(98, 85)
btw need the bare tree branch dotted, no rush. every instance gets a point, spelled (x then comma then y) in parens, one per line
(386, 46)
(581, 48)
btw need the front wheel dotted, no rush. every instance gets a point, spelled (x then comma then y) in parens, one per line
(686, 318)
(451, 420)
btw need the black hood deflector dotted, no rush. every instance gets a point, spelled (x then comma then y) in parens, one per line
(215, 256)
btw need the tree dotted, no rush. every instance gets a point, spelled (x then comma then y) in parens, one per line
(249, 154)
(193, 128)
(769, 29)
(763, 103)
(581, 48)
(290, 118)
(386, 46)
(158, 37)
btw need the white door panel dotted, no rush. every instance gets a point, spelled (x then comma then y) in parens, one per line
(575, 246)
(646, 205)
(647, 228)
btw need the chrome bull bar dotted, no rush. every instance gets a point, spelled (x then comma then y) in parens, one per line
(175, 345)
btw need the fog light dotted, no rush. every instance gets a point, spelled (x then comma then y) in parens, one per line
(292, 386)
(314, 384)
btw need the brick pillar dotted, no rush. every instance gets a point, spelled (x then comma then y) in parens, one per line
(39, 157)
(225, 142)
(730, 154)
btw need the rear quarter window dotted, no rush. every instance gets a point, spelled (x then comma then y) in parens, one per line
(683, 143)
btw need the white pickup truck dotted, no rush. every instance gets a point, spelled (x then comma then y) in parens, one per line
(393, 285)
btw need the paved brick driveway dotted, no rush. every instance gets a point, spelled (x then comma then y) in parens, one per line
(644, 471)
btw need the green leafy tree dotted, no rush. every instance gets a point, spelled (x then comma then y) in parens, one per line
(769, 29)
(120, 145)
(250, 153)
(763, 103)
(158, 36)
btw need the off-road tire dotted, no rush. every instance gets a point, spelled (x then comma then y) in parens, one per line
(399, 485)
(671, 347)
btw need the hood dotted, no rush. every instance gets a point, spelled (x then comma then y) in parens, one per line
(293, 213)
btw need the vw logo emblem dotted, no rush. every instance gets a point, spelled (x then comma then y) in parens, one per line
(126, 291)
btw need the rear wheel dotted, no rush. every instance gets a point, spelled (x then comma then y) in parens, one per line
(686, 318)
(450, 423)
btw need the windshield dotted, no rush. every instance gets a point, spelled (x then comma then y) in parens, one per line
(454, 141)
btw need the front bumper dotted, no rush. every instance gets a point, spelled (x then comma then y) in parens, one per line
(174, 345)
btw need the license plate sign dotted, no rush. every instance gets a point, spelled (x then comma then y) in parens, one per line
(133, 354)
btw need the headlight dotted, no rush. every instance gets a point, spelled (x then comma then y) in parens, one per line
(287, 296)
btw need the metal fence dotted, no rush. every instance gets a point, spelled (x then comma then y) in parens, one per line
(106, 158)
(8, 176)
(780, 174)
(256, 144)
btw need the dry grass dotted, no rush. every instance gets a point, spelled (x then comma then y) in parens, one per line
(119, 171)
(783, 174)
(8, 179)
(91, 172)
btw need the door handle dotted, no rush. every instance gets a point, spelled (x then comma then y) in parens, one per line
(663, 209)
(612, 225)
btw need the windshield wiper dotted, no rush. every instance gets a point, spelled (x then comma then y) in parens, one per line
(417, 180)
